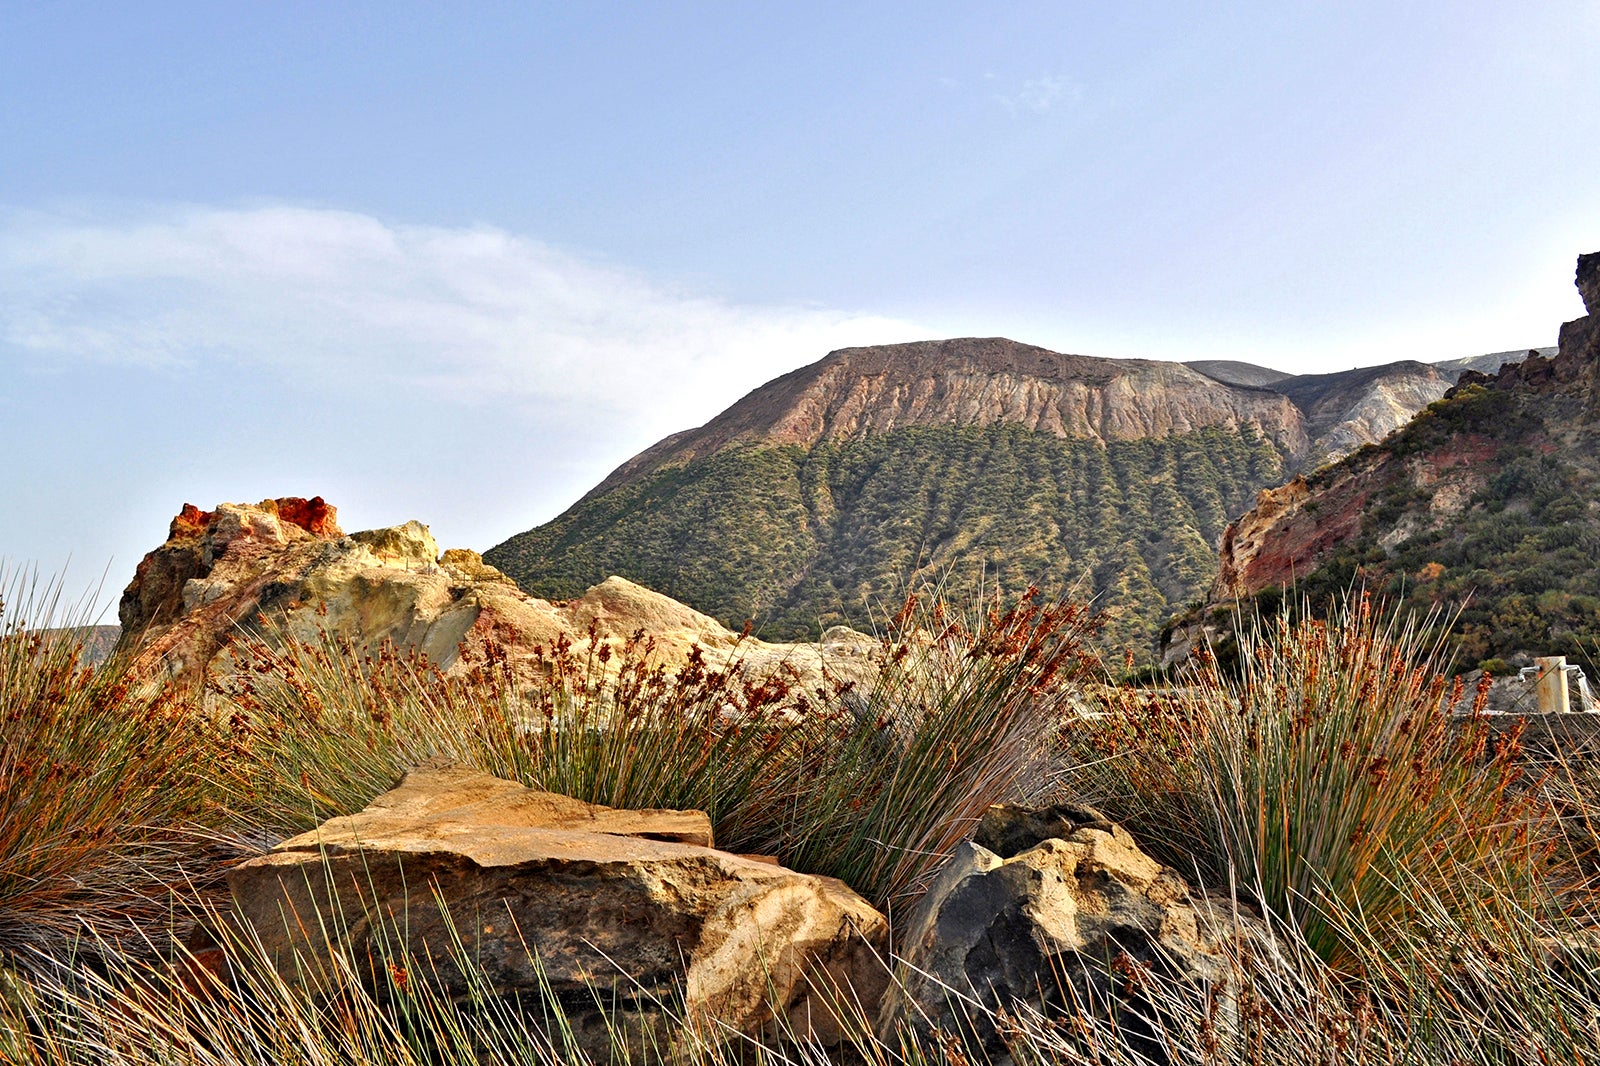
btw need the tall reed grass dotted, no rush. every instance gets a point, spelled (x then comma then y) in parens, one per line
(1423, 898)
(1329, 777)
(962, 715)
(871, 786)
(101, 801)
(1526, 994)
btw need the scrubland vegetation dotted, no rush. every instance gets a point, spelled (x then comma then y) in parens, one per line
(1398, 886)
(1518, 559)
(799, 539)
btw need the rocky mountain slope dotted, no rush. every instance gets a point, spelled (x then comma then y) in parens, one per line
(976, 461)
(1488, 497)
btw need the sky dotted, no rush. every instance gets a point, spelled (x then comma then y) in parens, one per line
(455, 262)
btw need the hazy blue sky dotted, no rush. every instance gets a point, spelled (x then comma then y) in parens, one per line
(456, 261)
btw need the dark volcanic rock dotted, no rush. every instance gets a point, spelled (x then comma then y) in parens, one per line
(1066, 925)
(1588, 281)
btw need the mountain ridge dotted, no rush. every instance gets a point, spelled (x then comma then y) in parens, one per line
(815, 497)
(979, 381)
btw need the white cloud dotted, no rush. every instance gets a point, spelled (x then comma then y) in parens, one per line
(345, 301)
(1041, 95)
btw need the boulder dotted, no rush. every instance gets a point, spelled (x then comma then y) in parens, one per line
(550, 896)
(1068, 916)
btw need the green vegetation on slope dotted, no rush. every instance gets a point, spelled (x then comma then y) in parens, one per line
(799, 540)
(1520, 556)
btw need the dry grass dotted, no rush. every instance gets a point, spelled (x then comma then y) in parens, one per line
(1423, 903)
(870, 786)
(101, 808)
(1328, 779)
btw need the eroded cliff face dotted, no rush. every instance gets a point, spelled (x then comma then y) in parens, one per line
(1521, 445)
(978, 381)
(981, 383)
(1344, 416)
(284, 565)
(1311, 419)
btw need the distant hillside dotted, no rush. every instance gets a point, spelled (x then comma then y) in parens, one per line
(1489, 496)
(978, 460)
(98, 641)
(1230, 372)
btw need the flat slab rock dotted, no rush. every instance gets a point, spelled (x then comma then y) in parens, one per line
(544, 889)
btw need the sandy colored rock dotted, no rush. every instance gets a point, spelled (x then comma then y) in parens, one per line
(446, 803)
(287, 563)
(541, 888)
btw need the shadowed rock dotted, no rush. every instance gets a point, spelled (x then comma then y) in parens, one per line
(1588, 281)
(1070, 923)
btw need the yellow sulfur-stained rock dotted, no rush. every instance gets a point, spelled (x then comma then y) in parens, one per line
(287, 561)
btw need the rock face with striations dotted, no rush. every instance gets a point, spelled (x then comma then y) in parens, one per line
(1486, 497)
(550, 895)
(976, 381)
(287, 562)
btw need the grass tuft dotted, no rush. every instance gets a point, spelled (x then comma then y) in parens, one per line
(101, 804)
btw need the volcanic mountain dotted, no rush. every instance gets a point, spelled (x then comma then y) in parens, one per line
(1489, 497)
(979, 462)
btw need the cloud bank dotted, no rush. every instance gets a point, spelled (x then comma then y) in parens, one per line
(343, 301)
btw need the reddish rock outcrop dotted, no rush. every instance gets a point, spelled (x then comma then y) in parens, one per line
(196, 539)
(1419, 481)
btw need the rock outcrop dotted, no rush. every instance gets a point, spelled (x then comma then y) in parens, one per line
(1588, 281)
(1499, 473)
(550, 896)
(1058, 909)
(287, 563)
(1354, 407)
